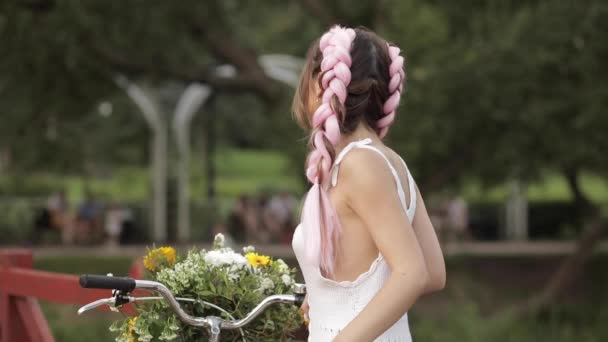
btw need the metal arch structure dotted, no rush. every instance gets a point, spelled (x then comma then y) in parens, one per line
(151, 112)
(189, 103)
(282, 68)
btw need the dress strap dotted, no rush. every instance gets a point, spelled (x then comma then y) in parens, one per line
(365, 144)
(344, 152)
(413, 191)
(349, 147)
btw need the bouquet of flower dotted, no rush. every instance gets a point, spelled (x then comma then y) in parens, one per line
(223, 283)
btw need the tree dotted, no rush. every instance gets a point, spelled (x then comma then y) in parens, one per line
(538, 104)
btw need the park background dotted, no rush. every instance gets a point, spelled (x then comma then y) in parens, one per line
(504, 108)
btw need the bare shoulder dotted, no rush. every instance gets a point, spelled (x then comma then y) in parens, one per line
(363, 169)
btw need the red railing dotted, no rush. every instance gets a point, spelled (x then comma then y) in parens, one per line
(21, 319)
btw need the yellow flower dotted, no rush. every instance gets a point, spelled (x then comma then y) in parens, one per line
(128, 336)
(157, 257)
(132, 325)
(257, 260)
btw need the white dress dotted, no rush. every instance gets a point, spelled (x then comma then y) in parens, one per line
(334, 304)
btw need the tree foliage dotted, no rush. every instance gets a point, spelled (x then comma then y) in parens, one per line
(496, 89)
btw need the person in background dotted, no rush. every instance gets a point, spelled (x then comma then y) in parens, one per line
(128, 231)
(457, 218)
(281, 208)
(115, 216)
(236, 220)
(265, 225)
(88, 220)
(436, 206)
(59, 215)
(271, 218)
(42, 224)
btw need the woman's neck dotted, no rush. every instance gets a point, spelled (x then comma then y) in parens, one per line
(360, 133)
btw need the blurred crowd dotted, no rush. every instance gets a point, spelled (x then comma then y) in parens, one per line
(272, 219)
(92, 222)
(253, 219)
(450, 217)
(261, 219)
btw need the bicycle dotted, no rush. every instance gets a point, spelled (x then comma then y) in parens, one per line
(123, 286)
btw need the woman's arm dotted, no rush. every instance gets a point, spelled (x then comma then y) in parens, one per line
(304, 308)
(427, 238)
(371, 192)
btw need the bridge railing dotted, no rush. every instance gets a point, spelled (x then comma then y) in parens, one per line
(21, 318)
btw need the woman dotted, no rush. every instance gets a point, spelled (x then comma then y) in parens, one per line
(365, 245)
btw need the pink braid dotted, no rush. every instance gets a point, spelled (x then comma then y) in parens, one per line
(320, 222)
(395, 87)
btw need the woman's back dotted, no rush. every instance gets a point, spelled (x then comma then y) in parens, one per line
(360, 270)
(356, 248)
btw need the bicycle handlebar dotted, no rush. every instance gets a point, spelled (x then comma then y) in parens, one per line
(129, 284)
(88, 281)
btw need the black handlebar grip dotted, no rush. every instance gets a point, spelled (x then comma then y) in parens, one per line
(89, 281)
(299, 299)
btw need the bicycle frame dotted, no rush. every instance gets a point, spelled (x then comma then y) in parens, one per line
(213, 324)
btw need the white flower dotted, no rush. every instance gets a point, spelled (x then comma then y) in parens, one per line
(167, 335)
(218, 241)
(219, 258)
(286, 279)
(282, 266)
(248, 249)
(233, 277)
(267, 284)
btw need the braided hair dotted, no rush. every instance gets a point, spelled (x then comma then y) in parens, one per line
(361, 78)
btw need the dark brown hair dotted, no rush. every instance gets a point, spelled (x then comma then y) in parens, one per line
(368, 88)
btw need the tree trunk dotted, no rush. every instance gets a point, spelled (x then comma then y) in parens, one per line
(584, 207)
(570, 268)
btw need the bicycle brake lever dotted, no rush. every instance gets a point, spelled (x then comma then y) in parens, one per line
(121, 298)
(113, 303)
(105, 301)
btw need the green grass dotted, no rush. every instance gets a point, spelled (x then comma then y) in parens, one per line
(67, 326)
(250, 171)
(551, 187)
(238, 172)
(117, 265)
